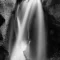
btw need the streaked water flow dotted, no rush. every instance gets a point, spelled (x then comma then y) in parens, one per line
(21, 45)
(41, 54)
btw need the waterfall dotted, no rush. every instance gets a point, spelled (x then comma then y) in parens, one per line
(21, 44)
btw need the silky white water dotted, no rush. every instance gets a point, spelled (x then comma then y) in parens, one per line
(20, 44)
(41, 54)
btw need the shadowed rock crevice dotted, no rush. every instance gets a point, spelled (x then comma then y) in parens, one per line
(2, 20)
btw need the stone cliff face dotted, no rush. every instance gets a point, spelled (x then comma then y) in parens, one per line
(53, 7)
(52, 18)
(6, 8)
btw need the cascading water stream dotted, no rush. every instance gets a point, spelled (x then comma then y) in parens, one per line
(20, 44)
(41, 47)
